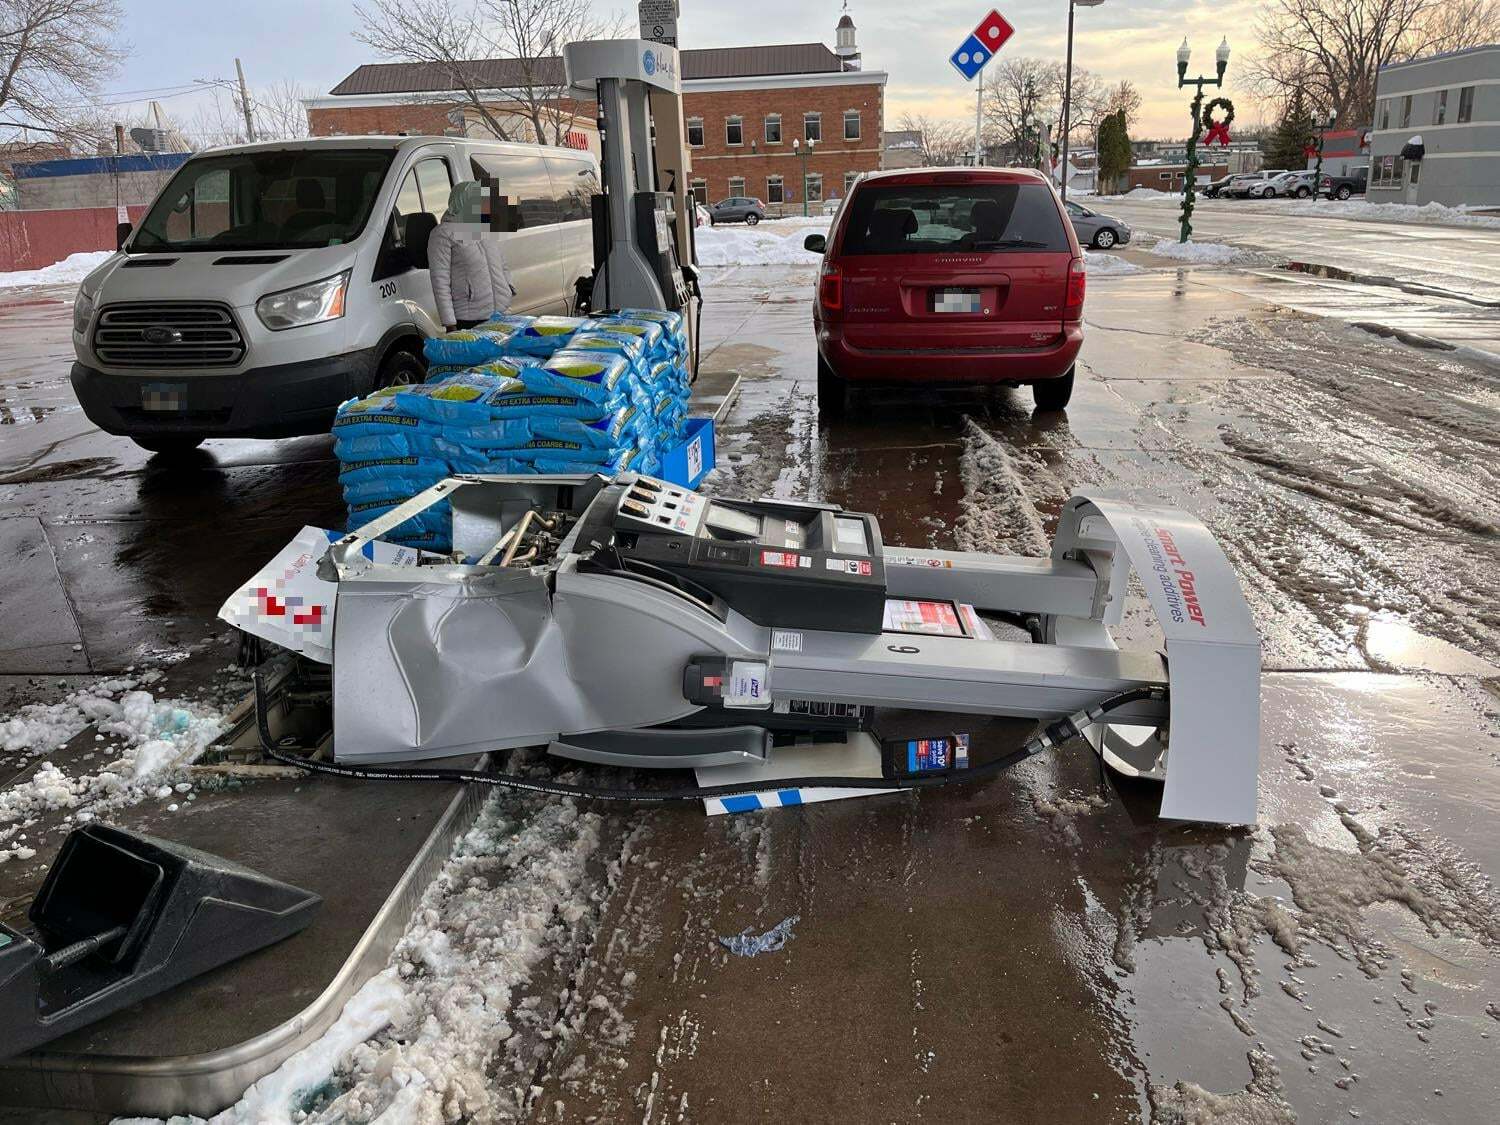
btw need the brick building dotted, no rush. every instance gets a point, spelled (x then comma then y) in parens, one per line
(744, 108)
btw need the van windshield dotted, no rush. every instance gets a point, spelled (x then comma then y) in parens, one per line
(945, 218)
(288, 200)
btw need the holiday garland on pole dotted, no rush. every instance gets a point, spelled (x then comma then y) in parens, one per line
(1217, 130)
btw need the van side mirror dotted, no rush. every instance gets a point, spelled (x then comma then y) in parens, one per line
(122, 232)
(817, 243)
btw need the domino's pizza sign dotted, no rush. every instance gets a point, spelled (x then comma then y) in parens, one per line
(980, 47)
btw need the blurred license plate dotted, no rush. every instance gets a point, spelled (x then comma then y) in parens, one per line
(164, 398)
(955, 300)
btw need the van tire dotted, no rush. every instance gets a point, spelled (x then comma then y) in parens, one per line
(1054, 394)
(169, 445)
(833, 392)
(398, 367)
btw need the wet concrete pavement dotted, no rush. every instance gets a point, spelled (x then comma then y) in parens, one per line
(1032, 949)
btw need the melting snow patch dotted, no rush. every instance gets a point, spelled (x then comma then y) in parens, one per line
(998, 514)
(1207, 253)
(1262, 1102)
(748, 944)
(1108, 265)
(70, 271)
(770, 243)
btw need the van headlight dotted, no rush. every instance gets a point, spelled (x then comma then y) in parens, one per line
(83, 312)
(307, 304)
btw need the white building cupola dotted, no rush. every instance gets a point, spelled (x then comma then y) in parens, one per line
(846, 49)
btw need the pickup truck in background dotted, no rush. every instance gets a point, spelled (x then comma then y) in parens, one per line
(1342, 187)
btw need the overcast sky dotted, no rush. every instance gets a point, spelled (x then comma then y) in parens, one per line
(308, 41)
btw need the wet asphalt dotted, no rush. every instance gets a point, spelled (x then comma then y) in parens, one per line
(1037, 948)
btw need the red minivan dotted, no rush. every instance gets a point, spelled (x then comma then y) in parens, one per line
(949, 276)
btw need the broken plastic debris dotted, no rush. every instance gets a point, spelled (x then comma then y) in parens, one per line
(746, 944)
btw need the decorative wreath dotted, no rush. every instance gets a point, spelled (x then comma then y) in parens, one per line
(1217, 130)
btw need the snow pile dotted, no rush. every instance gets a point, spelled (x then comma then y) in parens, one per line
(771, 243)
(419, 1042)
(1108, 265)
(998, 513)
(1149, 193)
(1430, 214)
(1206, 253)
(70, 271)
(153, 736)
(1262, 1102)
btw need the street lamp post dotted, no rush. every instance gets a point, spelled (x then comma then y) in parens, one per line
(804, 153)
(1323, 127)
(1189, 183)
(1067, 113)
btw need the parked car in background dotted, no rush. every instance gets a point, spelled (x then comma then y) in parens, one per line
(1298, 185)
(1252, 185)
(1342, 187)
(737, 209)
(1213, 189)
(941, 276)
(1095, 229)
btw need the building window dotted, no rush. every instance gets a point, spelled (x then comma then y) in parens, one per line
(812, 127)
(775, 190)
(1406, 111)
(849, 178)
(695, 132)
(700, 191)
(851, 124)
(814, 187)
(734, 131)
(1385, 113)
(1465, 105)
(1387, 172)
(1440, 107)
(1416, 170)
(773, 128)
(736, 187)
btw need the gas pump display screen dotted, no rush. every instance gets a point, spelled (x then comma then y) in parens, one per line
(739, 524)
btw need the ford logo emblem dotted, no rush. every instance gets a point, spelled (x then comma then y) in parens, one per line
(648, 61)
(158, 334)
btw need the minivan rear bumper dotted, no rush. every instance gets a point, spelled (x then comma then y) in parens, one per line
(967, 365)
(281, 401)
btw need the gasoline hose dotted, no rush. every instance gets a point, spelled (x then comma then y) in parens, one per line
(1052, 735)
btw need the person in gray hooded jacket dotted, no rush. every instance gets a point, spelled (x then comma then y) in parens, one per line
(470, 280)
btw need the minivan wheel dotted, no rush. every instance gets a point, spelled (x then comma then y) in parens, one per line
(1104, 239)
(169, 445)
(751, 219)
(399, 368)
(833, 392)
(1053, 394)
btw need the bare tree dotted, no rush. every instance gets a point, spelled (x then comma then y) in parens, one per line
(1023, 91)
(941, 142)
(53, 56)
(455, 37)
(1333, 49)
(279, 112)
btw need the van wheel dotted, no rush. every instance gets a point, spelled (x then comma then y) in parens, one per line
(1053, 394)
(169, 445)
(398, 368)
(833, 392)
(1104, 239)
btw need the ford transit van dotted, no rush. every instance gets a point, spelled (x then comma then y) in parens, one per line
(268, 283)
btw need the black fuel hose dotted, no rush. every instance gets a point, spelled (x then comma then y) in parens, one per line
(1052, 735)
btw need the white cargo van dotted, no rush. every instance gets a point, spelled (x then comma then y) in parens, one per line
(270, 282)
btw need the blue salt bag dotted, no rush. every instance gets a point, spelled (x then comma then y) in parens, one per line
(524, 404)
(632, 347)
(596, 376)
(468, 346)
(648, 331)
(562, 449)
(511, 322)
(545, 335)
(621, 461)
(410, 465)
(460, 400)
(507, 366)
(388, 488)
(612, 431)
(437, 518)
(355, 447)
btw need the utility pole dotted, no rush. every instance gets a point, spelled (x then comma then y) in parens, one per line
(979, 122)
(245, 103)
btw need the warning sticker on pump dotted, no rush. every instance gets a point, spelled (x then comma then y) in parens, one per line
(917, 560)
(938, 619)
(849, 566)
(784, 558)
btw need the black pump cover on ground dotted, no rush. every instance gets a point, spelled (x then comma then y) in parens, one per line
(121, 917)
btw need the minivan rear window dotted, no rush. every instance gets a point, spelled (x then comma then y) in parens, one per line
(945, 218)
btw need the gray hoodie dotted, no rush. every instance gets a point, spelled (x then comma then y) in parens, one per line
(470, 280)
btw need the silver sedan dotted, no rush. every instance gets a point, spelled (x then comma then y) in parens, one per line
(1097, 230)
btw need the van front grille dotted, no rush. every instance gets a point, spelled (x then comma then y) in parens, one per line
(168, 334)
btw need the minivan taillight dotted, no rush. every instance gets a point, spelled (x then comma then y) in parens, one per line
(831, 288)
(1077, 283)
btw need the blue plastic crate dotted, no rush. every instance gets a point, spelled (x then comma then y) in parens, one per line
(689, 462)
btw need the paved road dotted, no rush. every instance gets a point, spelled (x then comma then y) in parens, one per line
(1031, 950)
(1463, 260)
